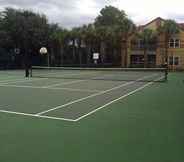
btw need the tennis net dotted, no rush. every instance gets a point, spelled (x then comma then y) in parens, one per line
(112, 74)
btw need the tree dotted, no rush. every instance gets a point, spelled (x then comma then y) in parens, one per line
(169, 29)
(102, 34)
(73, 35)
(57, 41)
(110, 16)
(113, 23)
(147, 36)
(24, 29)
(126, 28)
(89, 38)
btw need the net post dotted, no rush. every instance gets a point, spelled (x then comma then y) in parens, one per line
(166, 74)
(166, 71)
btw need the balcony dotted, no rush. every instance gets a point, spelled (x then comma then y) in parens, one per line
(141, 52)
(138, 47)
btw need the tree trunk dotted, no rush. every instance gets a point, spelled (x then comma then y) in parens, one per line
(62, 55)
(50, 57)
(80, 58)
(102, 51)
(145, 58)
(73, 50)
(166, 48)
(114, 56)
(145, 54)
(124, 53)
(88, 54)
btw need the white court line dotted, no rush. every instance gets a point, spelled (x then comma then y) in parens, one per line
(66, 83)
(35, 87)
(120, 98)
(74, 89)
(23, 80)
(81, 99)
(111, 102)
(13, 79)
(37, 116)
(90, 96)
(75, 120)
(9, 78)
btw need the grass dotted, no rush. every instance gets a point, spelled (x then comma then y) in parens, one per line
(145, 127)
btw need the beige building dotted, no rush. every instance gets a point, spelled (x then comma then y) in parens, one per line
(156, 54)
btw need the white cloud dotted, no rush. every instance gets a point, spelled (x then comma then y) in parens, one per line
(71, 13)
(144, 10)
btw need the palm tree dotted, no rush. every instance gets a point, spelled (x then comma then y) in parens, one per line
(57, 38)
(79, 35)
(61, 38)
(79, 42)
(89, 36)
(147, 36)
(73, 37)
(102, 35)
(126, 29)
(169, 29)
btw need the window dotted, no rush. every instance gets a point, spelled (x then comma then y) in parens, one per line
(174, 43)
(152, 60)
(173, 60)
(171, 43)
(138, 44)
(176, 61)
(177, 43)
(137, 59)
(141, 43)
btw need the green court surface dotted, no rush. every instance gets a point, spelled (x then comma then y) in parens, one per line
(67, 120)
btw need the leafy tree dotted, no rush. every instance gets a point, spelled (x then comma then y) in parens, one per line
(23, 29)
(29, 31)
(110, 16)
(114, 23)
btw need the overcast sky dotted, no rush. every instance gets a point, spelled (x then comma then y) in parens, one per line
(69, 13)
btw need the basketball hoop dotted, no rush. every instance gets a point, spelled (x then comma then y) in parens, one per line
(43, 51)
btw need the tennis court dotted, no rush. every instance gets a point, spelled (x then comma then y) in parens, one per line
(69, 98)
(91, 119)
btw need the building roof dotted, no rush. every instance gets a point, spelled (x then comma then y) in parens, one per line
(158, 21)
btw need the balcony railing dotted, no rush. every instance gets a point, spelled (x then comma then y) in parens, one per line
(141, 52)
(138, 47)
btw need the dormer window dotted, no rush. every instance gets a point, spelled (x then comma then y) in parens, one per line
(174, 43)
